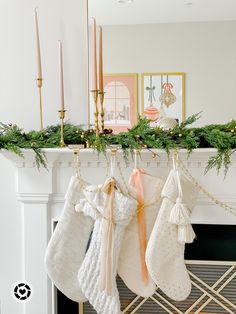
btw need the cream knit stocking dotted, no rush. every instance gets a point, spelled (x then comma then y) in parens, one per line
(130, 266)
(165, 251)
(67, 246)
(102, 291)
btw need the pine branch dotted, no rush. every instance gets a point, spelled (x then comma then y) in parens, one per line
(222, 137)
(190, 120)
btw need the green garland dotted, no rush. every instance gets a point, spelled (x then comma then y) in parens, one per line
(222, 137)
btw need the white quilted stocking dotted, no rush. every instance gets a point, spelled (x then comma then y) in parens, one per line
(67, 246)
(165, 254)
(90, 272)
(130, 266)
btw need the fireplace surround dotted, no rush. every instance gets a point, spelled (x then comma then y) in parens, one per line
(211, 263)
(41, 192)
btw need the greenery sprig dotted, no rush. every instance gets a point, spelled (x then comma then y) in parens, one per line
(219, 136)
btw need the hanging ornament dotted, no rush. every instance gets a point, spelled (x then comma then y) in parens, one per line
(162, 113)
(167, 123)
(167, 98)
(151, 112)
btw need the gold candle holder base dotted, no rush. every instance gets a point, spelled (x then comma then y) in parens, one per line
(40, 85)
(96, 112)
(62, 117)
(101, 97)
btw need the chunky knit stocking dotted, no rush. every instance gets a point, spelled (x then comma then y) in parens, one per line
(132, 264)
(67, 246)
(165, 251)
(112, 211)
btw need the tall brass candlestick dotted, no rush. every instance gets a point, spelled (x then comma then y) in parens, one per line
(40, 85)
(96, 112)
(62, 117)
(102, 113)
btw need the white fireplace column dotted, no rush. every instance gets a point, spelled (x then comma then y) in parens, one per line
(34, 189)
(41, 194)
(35, 233)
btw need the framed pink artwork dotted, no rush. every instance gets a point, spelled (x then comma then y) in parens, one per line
(163, 95)
(121, 101)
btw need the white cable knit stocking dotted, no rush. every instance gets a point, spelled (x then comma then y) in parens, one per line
(67, 246)
(165, 254)
(129, 267)
(89, 275)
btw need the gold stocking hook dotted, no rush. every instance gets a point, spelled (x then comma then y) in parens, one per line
(113, 161)
(76, 152)
(136, 158)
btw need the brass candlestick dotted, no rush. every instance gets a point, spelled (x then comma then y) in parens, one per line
(62, 117)
(40, 85)
(96, 113)
(101, 97)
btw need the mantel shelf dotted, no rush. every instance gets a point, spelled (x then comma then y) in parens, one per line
(67, 150)
(49, 185)
(88, 155)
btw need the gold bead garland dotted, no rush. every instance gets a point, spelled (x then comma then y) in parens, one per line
(223, 205)
(227, 207)
(77, 167)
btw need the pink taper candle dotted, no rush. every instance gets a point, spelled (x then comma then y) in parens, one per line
(94, 55)
(100, 61)
(39, 74)
(61, 78)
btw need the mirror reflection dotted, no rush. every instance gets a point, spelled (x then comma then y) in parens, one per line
(181, 53)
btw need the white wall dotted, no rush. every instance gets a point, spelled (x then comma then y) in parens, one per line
(59, 19)
(205, 51)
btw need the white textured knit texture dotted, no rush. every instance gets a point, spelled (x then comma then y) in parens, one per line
(129, 266)
(165, 255)
(67, 246)
(89, 272)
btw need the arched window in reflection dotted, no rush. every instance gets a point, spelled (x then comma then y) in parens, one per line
(120, 102)
(117, 105)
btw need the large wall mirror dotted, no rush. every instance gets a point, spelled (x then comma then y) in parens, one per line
(194, 39)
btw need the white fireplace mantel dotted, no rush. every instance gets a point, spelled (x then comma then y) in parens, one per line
(41, 195)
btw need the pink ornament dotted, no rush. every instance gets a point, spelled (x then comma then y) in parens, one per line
(151, 113)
